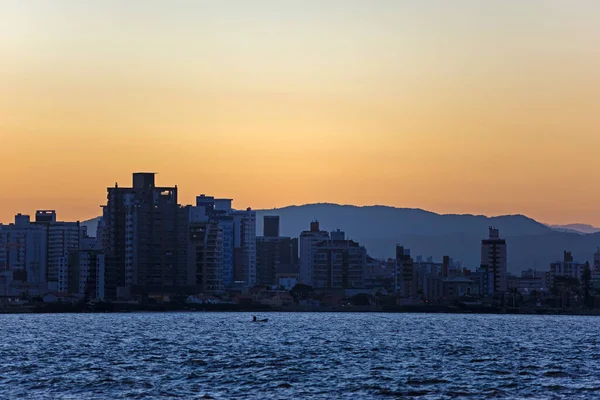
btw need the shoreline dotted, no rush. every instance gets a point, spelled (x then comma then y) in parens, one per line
(174, 308)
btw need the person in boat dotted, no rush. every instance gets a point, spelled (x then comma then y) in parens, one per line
(254, 318)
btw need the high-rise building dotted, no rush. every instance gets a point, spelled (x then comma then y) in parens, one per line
(62, 237)
(275, 256)
(493, 262)
(220, 211)
(205, 252)
(84, 275)
(308, 243)
(271, 226)
(339, 264)
(406, 275)
(23, 258)
(142, 239)
(244, 260)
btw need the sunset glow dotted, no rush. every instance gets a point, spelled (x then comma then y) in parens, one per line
(455, 107)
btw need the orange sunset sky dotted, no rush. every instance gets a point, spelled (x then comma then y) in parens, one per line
(488, 107)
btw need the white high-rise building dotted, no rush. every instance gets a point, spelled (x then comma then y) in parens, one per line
(493, 261)
(308, 245)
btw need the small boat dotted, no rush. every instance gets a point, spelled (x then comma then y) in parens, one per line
(260, 320)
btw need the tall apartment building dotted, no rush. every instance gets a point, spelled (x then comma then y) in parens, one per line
(308, 244)
(493, 262)
(220, 211)
(406, 276)
(205, 252)
(62, 237)
(84, 275)
(274, 254)
(339, 264)
(23, 258)
(244, 247)
(142, 239)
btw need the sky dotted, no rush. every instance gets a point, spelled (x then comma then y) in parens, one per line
(464, 106)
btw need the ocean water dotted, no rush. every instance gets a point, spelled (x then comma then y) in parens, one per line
(298, 355)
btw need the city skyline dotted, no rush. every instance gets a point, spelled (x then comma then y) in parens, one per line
(479, 108)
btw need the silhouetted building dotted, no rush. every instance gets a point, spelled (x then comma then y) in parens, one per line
(142, 239)
(567, 268)
(244, 252)
(271, 226)
(205, 254)
(23, 258)
(406, 276)
(220, 210)
(62, 237)
(308, 243)
(339, 264)
(275, 255)
(596, 270)
(493, 262)
(84, 275)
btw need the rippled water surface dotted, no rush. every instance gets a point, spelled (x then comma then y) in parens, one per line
(306, 355)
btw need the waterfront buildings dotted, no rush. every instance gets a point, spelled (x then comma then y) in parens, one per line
(274, 254)
(148, 244)
(205, 253)
(406, 278)
(529, 281)
(220, 210)
(308, 243)
(85, 271)
(244, 243)
(565, 269)
(239, 239)
(339, 263)
(596, 270)
(23, 257)
(493, 263)
(61, 238)
(143, 227)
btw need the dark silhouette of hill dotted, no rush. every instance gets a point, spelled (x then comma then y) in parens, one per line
(530, 244)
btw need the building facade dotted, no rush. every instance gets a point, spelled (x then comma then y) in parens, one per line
(205, 255)
(308, 244)
(84, 274)
(62, 237)
(339, 264)
(23, 258)
(244, 223)
(142, 231)
(494, 262)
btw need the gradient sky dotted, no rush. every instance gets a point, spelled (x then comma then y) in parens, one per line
(469, 106)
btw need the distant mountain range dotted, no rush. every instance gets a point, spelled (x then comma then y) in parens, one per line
(576, 228)
(531, 244)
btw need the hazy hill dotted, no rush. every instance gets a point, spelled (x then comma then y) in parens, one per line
(576, 228)
(530, 243)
